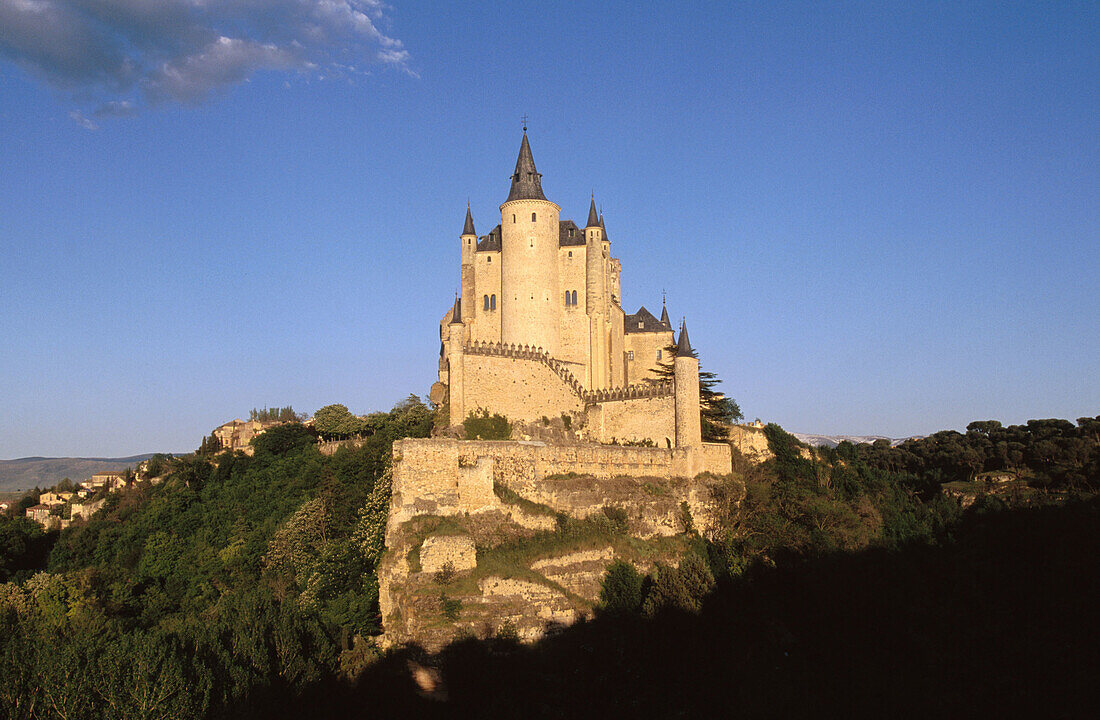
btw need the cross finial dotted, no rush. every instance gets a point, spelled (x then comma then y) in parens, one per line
(662, 296)
(524, 118)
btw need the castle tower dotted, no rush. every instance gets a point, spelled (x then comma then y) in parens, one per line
(689, 430)
(596, 301)
(529, 260)
(455, 364)
(469, 247)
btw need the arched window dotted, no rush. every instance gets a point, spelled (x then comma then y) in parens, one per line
(492, 302)
(566, 297)
(486, 303)
(513, 218)
(533, 217)
(574, 297)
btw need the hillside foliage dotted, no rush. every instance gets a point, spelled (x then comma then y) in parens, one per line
(229, 588)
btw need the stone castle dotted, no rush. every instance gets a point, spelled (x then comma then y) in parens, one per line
(539, 335)
(539, 332)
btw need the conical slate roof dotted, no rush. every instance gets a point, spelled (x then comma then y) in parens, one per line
(664, 316)
(683, 347)
(456, 318)
(526, 181)
(593, 218)
(468, 228)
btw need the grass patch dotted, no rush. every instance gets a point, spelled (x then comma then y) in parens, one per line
(509, 496)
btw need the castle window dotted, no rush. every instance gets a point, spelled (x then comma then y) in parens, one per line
(629, 354)
(533, 217)
(658, 354)
(566, 297)
(513, 218)
(641, 324)
(492, 302)
(485, 302)
(574, 297)
(570, 235)
(489, 259)
(570, 252)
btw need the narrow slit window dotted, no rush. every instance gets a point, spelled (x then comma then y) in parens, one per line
(492, 302)
(485, 302)
(533, 217)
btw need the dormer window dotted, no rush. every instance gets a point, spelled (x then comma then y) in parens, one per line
(641, 324)
(570, 235)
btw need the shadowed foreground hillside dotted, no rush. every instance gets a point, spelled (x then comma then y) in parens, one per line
(1003, 618)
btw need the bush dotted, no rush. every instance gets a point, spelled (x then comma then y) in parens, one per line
(480, 425)
(621, 589)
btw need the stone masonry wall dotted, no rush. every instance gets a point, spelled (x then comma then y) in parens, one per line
(636, 419)
(517, 388)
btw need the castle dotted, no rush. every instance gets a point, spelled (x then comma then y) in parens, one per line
(538, 330)
(539, 334)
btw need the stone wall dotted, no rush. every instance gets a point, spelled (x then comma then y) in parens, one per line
(455, 502)
(651, 419)
(440, 476)
(518, 388)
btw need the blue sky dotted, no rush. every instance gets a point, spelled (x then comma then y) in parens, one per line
(878, 218)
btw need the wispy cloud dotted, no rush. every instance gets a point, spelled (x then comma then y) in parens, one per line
(127, 54)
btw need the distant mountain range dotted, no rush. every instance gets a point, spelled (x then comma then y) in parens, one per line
(834, 440)
(26, 473)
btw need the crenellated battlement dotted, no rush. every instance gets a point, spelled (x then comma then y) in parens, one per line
(526, 352)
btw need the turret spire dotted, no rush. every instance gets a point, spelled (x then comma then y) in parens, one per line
(664, 313)
(593, 218)
(683, 347)
(526, 181)
(468, 228)
(456, 317)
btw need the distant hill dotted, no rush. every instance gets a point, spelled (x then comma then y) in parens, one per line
(834, 440)
(26, 473)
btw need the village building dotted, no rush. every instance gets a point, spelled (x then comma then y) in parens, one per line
(237, 434)
(40, 514)
(105, 481)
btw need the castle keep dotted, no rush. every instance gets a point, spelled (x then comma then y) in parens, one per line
(538, 330)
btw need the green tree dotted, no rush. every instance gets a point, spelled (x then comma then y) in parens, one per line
(716, 411)
(621, 589)
(336, 421)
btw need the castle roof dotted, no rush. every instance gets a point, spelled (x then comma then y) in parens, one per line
(564, 236)
(526, 181)
(643, 322)
(683, 347)
(468, 228)
(490, 242)
(664, 316)
(604, 227)
(593, 218)
(456, 317)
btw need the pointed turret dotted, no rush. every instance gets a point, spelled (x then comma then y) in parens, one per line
(526, 181)
(468, 228)
(603, 227)
(593, 218)
(683, 347)
(456, 317)
(664, 316)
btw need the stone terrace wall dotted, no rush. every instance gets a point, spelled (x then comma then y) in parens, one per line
(443, 476)
(519, 388)
(652, 418)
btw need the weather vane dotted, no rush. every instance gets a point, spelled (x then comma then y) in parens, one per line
(524, 122)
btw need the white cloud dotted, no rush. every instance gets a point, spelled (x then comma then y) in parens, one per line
(128, 53)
